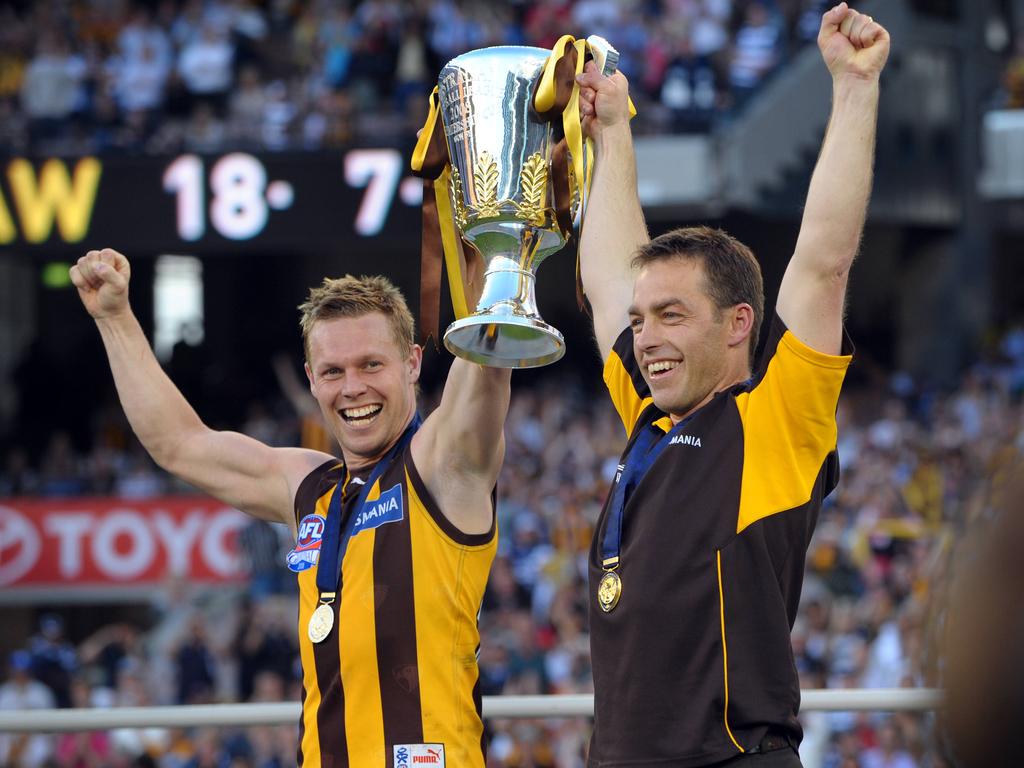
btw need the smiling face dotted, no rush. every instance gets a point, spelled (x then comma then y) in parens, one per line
(686, 347)
(364, 383)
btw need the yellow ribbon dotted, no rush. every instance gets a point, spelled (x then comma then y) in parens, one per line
(581, 148)
(419, 154)
(547, 89)
(452, 243)
(450, 240)
(572, 124)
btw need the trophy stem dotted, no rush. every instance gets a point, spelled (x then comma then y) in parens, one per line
(506, 330)
(508, 288)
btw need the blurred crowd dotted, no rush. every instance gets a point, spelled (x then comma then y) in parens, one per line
(82, 76)
(1010, 95)
(918, 469)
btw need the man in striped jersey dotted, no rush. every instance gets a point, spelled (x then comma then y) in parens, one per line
(394, 540)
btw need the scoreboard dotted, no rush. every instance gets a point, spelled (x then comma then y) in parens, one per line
(297, 202)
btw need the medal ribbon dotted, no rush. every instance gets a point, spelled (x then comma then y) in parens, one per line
(642, 454)
(336, 536)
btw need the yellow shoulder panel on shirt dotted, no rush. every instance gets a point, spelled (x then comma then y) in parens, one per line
(624, 396)
(789, 428)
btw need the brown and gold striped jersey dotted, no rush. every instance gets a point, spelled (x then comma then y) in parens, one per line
(397, 677)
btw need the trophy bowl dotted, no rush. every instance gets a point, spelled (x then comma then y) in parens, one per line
(502, 200)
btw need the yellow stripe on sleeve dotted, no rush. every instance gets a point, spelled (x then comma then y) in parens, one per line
(624, 396)
(789, 428)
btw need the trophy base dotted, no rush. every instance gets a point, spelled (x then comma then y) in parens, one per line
(503, 341)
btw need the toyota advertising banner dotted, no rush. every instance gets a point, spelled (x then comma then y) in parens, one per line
(105, 547)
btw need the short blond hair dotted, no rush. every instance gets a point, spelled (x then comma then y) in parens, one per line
(350, 296)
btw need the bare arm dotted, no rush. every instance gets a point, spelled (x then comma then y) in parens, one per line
(813, 290)
(614, 225)
(229, 466)
(459, 449)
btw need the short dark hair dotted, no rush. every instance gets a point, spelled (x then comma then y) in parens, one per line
(732, 274)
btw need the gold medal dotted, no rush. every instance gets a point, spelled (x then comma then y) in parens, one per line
(609, 590)
(321, 622)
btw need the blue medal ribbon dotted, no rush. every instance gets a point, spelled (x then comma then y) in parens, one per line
(641, 456)
(336, 536)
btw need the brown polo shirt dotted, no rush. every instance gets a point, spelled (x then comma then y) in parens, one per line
(694, 663)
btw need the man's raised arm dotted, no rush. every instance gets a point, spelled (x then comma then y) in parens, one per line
(614, 224)
(229, 466)
(460, 448)
(813, 290)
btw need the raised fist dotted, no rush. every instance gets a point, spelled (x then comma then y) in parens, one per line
(852, 43)
(101, 278)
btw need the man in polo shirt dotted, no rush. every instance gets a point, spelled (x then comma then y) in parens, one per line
(698, 557)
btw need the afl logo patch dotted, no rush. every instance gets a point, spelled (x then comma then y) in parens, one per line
(307, 547)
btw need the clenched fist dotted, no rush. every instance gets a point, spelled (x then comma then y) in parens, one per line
(604, 101)
(101, 278)
(852, 43)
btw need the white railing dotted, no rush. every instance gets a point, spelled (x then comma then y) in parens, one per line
(582, 705)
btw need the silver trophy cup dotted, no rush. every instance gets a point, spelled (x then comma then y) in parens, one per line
(502, 201)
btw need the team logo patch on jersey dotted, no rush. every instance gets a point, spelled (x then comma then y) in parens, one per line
(386, 509)
(307, 547)
(409, 755)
